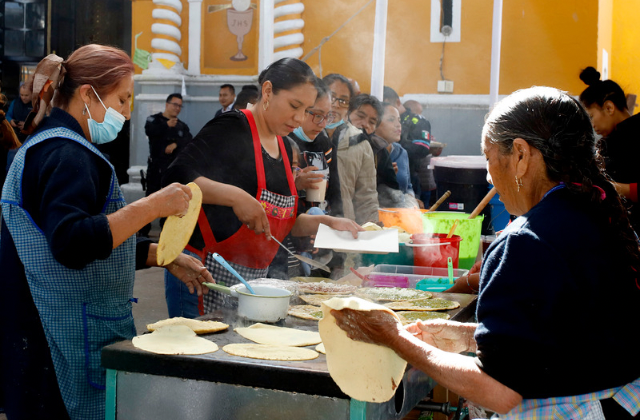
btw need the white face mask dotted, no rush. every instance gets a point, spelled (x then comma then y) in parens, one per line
(107, 130)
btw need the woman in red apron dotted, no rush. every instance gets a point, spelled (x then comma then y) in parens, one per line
(243, 168)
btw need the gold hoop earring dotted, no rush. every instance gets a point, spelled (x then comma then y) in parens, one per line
(518, 183)
(265, 105)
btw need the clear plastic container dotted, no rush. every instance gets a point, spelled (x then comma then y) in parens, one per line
(436, 279)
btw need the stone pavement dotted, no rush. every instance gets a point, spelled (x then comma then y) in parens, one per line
(149, 289)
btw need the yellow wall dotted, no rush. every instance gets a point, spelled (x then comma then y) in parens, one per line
(543, 42)
(625, 60)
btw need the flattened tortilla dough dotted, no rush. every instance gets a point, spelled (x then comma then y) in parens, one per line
(350, 362)
(317, 299)
(177, 231)
(199, 327)
(320, 348)
(279, 336)
(391, 294)
(267, 352)
(174, 339)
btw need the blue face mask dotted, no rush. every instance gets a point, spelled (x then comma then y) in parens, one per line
(107, 130)
(302, 135)
(334, 125)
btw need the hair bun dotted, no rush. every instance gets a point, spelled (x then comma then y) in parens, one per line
(590, 76)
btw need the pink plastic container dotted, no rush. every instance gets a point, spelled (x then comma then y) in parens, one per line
(387, 280)
(435, 256)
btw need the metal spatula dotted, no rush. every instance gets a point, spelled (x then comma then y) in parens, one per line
(309, 261)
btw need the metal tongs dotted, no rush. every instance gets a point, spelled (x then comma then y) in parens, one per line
(304, 259)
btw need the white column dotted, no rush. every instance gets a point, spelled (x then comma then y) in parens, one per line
(265, 44)
(496, 42)
(379, 45)
(195, 36)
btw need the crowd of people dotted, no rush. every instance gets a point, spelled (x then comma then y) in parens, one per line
(69, 249)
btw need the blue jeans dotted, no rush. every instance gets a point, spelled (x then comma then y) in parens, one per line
(179, 301)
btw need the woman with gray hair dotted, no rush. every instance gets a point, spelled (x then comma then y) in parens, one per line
(571, 253)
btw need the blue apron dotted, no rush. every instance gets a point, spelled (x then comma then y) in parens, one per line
(81, 310)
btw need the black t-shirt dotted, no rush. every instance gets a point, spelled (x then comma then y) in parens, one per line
(621, 150)
(223, 151)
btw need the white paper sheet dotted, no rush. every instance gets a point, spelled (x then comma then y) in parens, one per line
(368, 242)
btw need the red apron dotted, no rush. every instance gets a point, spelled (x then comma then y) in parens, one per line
(244, 248)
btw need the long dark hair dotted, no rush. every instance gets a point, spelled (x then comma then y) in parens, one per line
(600, 91)
(285, 74)
(559, 127)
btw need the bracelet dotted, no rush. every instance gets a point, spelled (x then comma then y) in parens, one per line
(469, 286)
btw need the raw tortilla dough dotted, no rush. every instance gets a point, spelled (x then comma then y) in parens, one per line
(320, 348)
(199, 327)
(267, 352)
(363, 371)
(177, 231)
(174, 339)
(279, 336)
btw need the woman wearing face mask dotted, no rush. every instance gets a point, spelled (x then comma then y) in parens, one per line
(620, 145)
(356, 162)
(243, 167)
(68, 249)
(315, 146)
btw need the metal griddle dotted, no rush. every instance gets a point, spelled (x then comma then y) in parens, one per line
(143, 385)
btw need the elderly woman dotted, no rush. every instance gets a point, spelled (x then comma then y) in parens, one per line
(557, 312)
(68, 248)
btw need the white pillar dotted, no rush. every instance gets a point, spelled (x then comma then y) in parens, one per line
(379, 45)
(265, 43)
(496, 42)
(195, 36)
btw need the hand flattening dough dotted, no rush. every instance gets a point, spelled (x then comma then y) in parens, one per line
(363, 371)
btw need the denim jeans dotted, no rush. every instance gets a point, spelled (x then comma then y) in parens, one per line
(179, 301)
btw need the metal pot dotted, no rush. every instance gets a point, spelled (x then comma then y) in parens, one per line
(269, 304)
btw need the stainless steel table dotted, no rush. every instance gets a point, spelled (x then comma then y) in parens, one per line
(143, 385)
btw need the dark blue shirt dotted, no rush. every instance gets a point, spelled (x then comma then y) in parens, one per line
(558, 309)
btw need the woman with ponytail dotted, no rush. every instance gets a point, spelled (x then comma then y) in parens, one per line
(558, 330)
(68, 249)
(606, 104)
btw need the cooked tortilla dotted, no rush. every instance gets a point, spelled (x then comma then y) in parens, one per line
(409, 317)
(269, 352)
(363, 371)
(177, 231)
(279, 336)
(393, 294)
(423, 305)
(174, 339)
(326, 288)
(311, 312)
(199, 327)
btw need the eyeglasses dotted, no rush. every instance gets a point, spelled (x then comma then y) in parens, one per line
(344, 103)
(177, 105)
(318, 118)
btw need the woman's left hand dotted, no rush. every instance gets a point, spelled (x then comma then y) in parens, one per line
(342, 223)
(191, 272)
(376, 327)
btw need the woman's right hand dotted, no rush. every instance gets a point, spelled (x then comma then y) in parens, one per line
(172, 200)
(306, 179)
(450, 336)
(251, 213)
